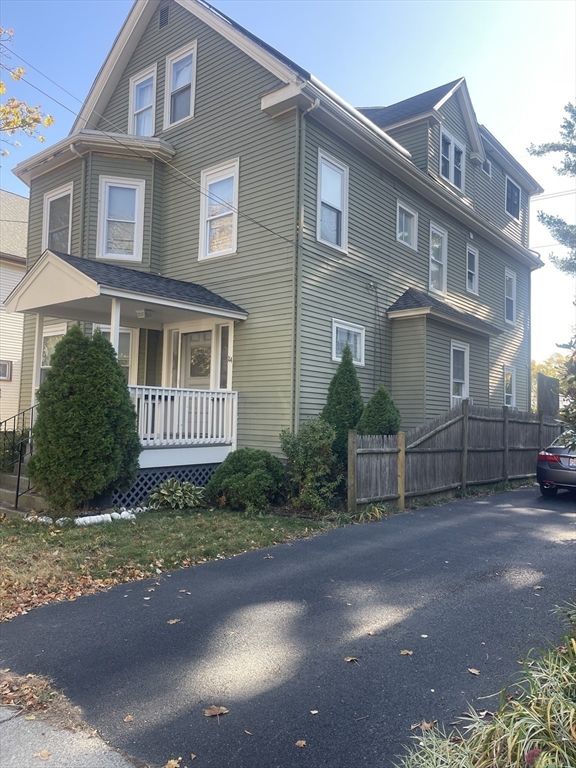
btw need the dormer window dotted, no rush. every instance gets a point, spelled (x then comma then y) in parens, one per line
(452, 160)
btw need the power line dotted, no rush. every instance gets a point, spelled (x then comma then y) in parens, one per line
(555, 194)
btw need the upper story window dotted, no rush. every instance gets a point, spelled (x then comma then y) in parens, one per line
(452, 159)
(510, 386)
(51, 335)
(438, 253)
(332, 209)
(406, 225)
(219, 210)
(57, 219)
(346, 333)
(510, 297)
(459, 372)
(120, 218)
(180, 85)
(471, 269)
(487, 167)
(142, 103)
(5, 370)
(513, 197)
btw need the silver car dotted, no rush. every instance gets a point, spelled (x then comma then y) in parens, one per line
(556, 467)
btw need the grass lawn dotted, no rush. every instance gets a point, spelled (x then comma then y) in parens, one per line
(42, 564)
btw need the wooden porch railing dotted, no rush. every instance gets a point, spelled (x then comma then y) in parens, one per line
(170, 416)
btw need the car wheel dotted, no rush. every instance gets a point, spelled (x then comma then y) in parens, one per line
(548, 492)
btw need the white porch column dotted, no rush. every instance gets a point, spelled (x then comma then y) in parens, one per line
(115, 324)
(37, 364)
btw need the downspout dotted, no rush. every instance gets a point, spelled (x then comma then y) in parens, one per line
(298, 259)
(82, 196)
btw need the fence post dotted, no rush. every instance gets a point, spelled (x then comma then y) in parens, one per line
(505, 433)
(351, 470)
(401, 442)
(464, 454)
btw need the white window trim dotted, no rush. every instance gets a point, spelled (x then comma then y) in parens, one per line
(466, 349)
(444, 233)
(325, 158)
(170, 59)
(509, 273)
(410, 212)
(519, 188)
(512, 370)
(9, 368)
(140, 186)
(216, 173)
(52, 330)
(489, 171)
(472, 249)
(454, 142)
(134, 81)
(134, 345)
(49, 197)
(349, 327)
(192, 326)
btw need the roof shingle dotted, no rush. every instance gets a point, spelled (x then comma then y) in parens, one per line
(403, 110)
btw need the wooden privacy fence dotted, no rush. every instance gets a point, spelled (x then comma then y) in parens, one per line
(468, 445)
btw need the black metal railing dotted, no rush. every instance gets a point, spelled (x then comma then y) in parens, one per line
(16, 446)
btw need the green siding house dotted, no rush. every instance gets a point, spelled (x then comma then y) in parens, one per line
(232, 223)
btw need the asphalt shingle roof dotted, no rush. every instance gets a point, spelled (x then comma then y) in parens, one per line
(13, 224)
(403, 110)
(148, 284)
(414, 299)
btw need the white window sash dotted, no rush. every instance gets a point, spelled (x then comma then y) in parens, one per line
(324, 159)
(474, 252)
(49, 198)
(132, 111)
(402, 209)
(454, 145)
(434, 229)
(139, 186)
(52, 330)
(208, 177)
(510, 280)
(465, 348)
(510, 397)
(173, 58)
(349, 327)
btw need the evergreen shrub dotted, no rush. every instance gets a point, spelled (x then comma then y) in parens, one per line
(311, 464)
(247, 479)
(344, 404)
(380, 415)
(85, 438)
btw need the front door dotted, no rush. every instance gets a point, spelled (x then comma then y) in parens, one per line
(196, 357)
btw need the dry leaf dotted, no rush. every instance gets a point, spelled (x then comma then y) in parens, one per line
(301, 743)
(538, 587)
(173, 763)
(193, 756)
(351, 658)
(129, 719)
(268, 557)
(214, 711)
(406, 653)
(173, 621)
(249, 734)
(313, 711)
(43, 755)
(371, 634)
(473, 671)
(30, 717)
(486, 713)
(424, 725)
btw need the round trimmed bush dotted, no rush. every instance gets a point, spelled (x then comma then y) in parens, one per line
(380, 415)
(247, 479)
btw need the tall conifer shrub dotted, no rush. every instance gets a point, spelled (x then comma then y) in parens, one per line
(85, 439)
(344, 404)
(380, 416)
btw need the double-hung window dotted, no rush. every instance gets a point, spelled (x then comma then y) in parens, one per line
(332, 210)
(51, 335)
(120, 218)
(406, 226)
(5, 370)
(438, 254)
(58, 218)
(452, 160)
(471, 269)
(510, 297)
(142, 103)
(180, 85)
(510, 386)
(219, 210)
(343, 334)
(513, 197)
(459, 372)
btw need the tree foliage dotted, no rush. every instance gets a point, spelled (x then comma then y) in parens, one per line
(555, 367)
(568, 412)
(380, 415)
(16, 116)
(563, 232)
(85, 436)
(344, 404)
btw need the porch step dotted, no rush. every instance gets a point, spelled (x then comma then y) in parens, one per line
(9, 480)
(27, 501)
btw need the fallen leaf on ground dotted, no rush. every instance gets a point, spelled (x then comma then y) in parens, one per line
(214, 711)
(30, 717)
(406, 653)
(473, 671)
(423, 635)
(193, 756)
(486, 713)
(371, 634)
(424, 725)
(301, 743)
(313, 711)
(351, 658)
(173, 621)
(173, 763)
(129, 719)
(248, 732)
(538, 587)
(43, 755)
(268, 557)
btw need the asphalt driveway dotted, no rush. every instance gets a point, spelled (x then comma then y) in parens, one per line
(266, 634)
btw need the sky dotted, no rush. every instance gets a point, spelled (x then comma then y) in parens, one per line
(518, 58)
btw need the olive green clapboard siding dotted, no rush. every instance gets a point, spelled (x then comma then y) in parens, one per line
(438, 345)
(414, 138)
(409, 369)
(336, 285)
(228, 124)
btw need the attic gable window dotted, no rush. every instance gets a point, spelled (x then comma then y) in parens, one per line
(513, 196)
(452, 160)
(142, 103)
(180, 85)
(332, 208)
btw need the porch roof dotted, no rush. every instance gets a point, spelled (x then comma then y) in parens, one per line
(67, 286)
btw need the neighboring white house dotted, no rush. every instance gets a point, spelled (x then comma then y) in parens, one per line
(13, 237)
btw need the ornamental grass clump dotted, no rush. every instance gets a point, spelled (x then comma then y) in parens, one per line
(248, 479)
(380, 416)
(85, 439)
